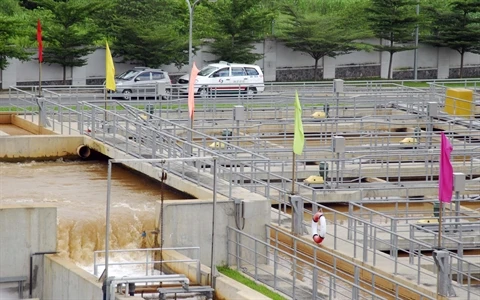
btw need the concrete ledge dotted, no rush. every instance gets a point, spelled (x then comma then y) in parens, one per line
(29, 126)
(44, 147)
(64, 280)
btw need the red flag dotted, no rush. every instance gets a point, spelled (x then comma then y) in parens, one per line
(39, 40)
(445, 180)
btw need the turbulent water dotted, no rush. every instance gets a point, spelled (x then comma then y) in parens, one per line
(78, 190)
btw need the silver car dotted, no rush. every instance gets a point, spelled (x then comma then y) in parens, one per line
(143, 82)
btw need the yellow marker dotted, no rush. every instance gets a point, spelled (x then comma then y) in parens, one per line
(428, 221)
(319, 115)
(409, 140)
(314, 180)
(217, 145)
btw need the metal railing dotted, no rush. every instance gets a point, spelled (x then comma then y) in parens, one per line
(146, 259)
(311, 275)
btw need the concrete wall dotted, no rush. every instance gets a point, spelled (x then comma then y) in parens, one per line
(277, 58)
(64, 280)
(189, 223)
(24, 230)
(14, 148)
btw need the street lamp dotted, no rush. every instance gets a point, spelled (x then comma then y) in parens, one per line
(191, 7)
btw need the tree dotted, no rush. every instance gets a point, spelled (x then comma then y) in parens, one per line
(457, 28)
(13, 26)
(320, 33)
(239, 24)
(69, 33)
(395, 21)
(143, 33)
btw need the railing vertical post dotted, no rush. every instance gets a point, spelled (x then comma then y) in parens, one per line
(365, 242)
(355, 283)
(237, 252)
(355, 239)
(228, 246)
(95, 267)
(350, 214)
(255, 260)
(410, 247)
(275, 267)
(335, 230)
(330, 287)
(147, 262)
(393, 230)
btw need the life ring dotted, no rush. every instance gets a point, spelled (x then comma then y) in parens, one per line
(318, 235)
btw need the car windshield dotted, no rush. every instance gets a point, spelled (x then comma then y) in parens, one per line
(207, 70)
(127, 75)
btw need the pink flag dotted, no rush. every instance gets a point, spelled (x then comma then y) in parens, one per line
(445, 180)
(191, 90)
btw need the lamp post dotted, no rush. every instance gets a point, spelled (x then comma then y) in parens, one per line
(191, 8)
(415, 54)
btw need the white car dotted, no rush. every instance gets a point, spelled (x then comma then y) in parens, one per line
(142, 81)
(224, 77)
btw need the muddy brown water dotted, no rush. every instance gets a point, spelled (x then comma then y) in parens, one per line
(11, 129)
(79, 191)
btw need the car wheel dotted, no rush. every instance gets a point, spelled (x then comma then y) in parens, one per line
(126, 94)
(204, 92)
(168, 95)
(250, 92)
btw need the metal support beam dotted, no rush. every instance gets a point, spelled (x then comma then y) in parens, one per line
(444, 284)
(297, 214)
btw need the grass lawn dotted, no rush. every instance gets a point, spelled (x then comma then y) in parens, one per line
(237, 276)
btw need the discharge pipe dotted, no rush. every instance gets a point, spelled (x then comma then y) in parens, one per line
(83, 151)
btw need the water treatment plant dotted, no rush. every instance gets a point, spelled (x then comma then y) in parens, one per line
(171, 200)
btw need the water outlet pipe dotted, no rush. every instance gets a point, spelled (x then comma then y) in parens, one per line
(83, 151)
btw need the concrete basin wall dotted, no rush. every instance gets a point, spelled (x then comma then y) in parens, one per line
(25, 230)
(189, 223)
(64, 280)
(44, 147)
(29, 126)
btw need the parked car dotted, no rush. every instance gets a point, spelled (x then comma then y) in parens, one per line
(224, 77)
(144, 82)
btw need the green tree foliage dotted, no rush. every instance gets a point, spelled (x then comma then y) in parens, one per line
(69, 33)
(239, 24)
(395, 21)
(456, 27)
(319, 29)
(13, 25)
(147, 32)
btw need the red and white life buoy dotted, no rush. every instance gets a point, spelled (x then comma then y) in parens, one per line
(319, 232)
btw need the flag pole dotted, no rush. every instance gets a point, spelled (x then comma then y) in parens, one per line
(39, 78)
(40, 56)
(293, 173)
(440, 224)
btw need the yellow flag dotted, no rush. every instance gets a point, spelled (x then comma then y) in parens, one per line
(299, 137)
(110, 70)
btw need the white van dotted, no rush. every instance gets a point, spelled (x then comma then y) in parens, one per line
(224, 77)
